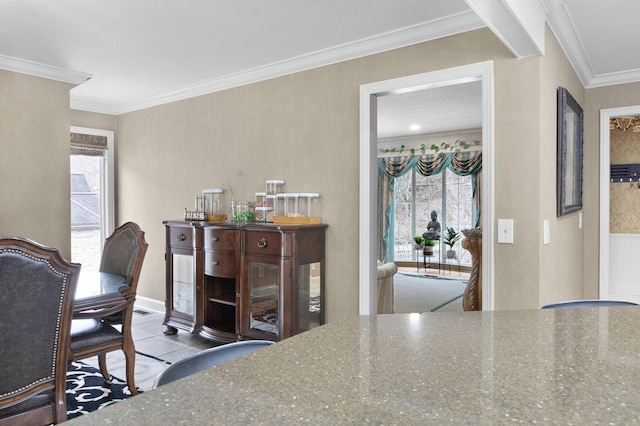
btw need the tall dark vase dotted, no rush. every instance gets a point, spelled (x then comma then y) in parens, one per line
(472, 298)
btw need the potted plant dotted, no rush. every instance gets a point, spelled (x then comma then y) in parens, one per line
(419, 241)
(428, 247)
(450, 238)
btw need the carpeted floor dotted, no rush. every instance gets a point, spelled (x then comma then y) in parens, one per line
(420, 293)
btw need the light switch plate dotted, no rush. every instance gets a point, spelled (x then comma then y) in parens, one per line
(505, 231)
(546, 232)
(580, 220)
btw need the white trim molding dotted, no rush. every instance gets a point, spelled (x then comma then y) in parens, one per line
(482, 71)
(42, 70)
(426, 31)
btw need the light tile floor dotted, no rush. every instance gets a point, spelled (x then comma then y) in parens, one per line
(149, 338)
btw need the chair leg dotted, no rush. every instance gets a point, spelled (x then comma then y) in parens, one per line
(102, 362)
(130, 358)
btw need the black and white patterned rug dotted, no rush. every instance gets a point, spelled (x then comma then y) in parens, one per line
(87, 390)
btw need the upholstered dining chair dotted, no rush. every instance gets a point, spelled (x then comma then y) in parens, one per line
(36, 300)
(98, 332)
(587, 303)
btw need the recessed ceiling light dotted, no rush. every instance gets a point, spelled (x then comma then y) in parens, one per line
(414, 127)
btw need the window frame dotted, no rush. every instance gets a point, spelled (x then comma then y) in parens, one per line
(107, 181)
(443, 206)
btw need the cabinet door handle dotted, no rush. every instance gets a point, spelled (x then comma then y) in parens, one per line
(214, 239)
(262, 243)
(215, 263)
(238, 295)
(181, 237)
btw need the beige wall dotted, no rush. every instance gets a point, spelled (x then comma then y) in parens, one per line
(34, 160)
(561, 261)
(94, 121)
(303, 128)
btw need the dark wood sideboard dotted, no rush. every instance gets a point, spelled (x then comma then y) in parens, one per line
(231, 282)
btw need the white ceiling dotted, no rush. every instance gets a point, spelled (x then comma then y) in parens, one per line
(435, 110)
(140, 53)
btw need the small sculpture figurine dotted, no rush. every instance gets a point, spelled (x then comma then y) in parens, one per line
(433, 228)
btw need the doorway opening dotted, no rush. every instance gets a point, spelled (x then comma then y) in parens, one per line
(369, 93)
(619, 236)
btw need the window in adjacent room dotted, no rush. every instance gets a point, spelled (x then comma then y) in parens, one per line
(416, 196)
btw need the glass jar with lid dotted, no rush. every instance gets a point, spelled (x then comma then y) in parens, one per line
(281, 204)
(262, 207)
(213, 204)
(275, 186)
(243, 211)
(310, 205)
(292, 204)
(272, 203)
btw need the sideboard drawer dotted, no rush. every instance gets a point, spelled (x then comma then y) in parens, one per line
(219, 239)
(181, 237)
(263, 243)
(220, 264)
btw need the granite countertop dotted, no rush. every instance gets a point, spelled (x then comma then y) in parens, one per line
(534, 366)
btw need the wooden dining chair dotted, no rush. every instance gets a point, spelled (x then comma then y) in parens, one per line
(100, 331)
(36, 300)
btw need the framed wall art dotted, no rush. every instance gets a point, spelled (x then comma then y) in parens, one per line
(569, 159)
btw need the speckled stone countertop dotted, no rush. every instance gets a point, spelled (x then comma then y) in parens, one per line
(560, 366)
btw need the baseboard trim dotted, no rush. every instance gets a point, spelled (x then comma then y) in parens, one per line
(148, 304)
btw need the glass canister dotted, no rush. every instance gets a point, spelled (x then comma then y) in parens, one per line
(292, 204)
(199, 204)
(272, 206)
(274, 186)
(243, 211)
(213, 204)
(310, 205)
(262, 207)
(281, 204)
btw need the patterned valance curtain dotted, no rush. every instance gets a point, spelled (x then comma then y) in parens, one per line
(389, 168)
(82, 144)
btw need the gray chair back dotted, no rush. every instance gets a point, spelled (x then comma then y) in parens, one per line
(588, 303)
(208, 358)
(123, 253)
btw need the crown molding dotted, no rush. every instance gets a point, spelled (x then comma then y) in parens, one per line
(519, 25)
(42, 70)
(423, 32)
(614, 78)
(564, 30)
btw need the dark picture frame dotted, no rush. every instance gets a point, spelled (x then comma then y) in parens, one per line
(569, 159)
